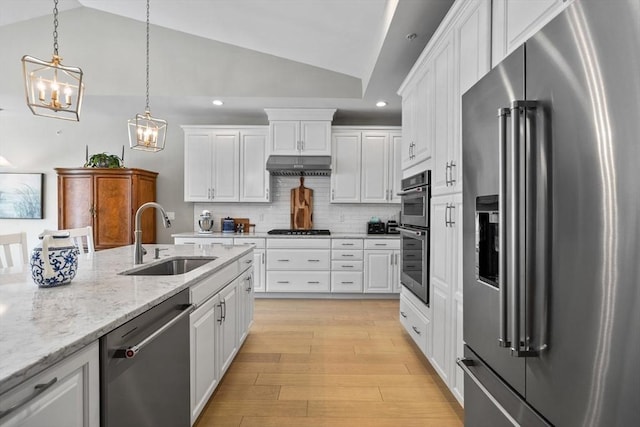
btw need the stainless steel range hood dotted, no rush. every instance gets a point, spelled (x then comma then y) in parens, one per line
(299, 165)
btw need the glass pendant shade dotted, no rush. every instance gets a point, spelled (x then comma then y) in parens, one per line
(52, 89)
(147, 133)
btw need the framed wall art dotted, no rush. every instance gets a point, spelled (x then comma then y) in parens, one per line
(21, 195)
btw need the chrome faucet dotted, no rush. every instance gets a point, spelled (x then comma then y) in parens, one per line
(138, 250)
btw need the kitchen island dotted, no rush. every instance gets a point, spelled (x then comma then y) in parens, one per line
(42, 326)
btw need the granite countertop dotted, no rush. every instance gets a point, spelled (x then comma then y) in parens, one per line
(337, 235)
(41, 326)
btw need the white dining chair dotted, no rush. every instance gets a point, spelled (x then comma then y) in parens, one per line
(13, 243)
(82, 237)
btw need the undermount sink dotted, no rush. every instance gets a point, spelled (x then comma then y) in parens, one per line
(170, 266)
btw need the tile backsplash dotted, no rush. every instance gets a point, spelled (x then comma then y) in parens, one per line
(337, 217)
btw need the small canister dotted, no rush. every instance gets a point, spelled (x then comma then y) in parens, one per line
(228, 225)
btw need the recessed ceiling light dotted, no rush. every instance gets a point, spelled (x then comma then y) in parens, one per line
(381, 104)
(217, 102)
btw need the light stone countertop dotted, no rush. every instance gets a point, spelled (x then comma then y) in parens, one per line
(337, 235)
(41, 326)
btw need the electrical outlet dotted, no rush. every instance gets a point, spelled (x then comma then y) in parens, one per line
(171, 215)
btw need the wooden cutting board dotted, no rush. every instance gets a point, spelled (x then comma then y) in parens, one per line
(301, 207)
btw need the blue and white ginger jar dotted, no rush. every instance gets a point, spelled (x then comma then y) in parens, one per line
(55, 261)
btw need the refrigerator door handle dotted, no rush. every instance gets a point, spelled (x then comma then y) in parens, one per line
(464, 363)
(519, 345)
(503, 338)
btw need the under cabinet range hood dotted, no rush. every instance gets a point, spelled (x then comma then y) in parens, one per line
(279, 165)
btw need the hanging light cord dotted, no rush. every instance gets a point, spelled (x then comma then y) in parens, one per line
(147, 107)
(55, 27)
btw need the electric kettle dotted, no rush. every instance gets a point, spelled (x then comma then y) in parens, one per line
(205, 222)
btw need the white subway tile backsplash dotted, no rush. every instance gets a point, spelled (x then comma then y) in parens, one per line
(339, 218)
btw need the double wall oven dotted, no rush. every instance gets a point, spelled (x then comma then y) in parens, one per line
(414, 232)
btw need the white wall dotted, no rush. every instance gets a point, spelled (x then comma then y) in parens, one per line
(335, 217)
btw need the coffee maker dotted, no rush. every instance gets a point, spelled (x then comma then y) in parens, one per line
(205, 222)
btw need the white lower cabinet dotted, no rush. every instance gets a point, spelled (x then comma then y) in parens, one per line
(298, 265)
(66, 394)
(381, 265)
(218, 327)
(414, 318)
(346, 265)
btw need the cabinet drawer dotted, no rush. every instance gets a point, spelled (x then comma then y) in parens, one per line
(346, 281)
(245, 262)
(300, 242)
(203, 240)
(415, 324)
(346, 244)
(382, 244)
(346, 265)
(346, 255)
(303, 259)
(259, 242)
(298, 281)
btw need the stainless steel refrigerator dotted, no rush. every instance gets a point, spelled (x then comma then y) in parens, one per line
(551, 257)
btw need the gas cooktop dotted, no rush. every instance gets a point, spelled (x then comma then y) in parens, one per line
(300, 232)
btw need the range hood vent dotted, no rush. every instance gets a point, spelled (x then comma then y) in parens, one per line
(299, 165)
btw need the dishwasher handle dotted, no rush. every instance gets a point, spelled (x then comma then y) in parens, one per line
(130, 352)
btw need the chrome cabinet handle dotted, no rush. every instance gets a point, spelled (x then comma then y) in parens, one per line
(347, 283)
(38, 389)
(446, 174)
(282, 281)
(221, 317)
(452, 180)
(347, 244)
(224, 313)
(266, 197)
(451, 211)
(503, 337)
(333, 194)
(313, 282)
(403, 314)
(347, 255)
(416, 330)
(283, 260)
(130, 352)
(347, 266)
(313, 260)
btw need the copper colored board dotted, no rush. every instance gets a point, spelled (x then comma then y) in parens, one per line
(241, 221)
(301, 207)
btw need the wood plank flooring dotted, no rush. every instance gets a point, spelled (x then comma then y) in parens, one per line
(330, 363)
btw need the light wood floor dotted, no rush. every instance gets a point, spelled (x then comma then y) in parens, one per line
(330, 363)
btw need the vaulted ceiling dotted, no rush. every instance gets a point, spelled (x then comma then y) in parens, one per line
(252, 54)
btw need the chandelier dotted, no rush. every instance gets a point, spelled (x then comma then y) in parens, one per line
(52, 89)
(146, 132)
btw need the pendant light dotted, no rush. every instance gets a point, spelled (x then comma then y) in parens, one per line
(52, 89)
(146, 132)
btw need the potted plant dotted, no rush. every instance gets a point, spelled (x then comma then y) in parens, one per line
(103, 160)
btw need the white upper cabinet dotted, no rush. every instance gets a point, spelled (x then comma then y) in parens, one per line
(365, 165)
(300, 131)
(211, 160)
(345, 167)
(417, 120)
(225, 164)
(514, 21)
(255, 182)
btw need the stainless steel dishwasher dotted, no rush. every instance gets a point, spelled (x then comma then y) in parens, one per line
(144, 368)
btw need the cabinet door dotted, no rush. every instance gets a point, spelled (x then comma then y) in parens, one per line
(226, 167)
(378, 267)
(440, 330)
(202, 340)
(425, 109)
(254, 178)
(144, 190)
(285, 136)
(246, 299)
(71, 401)
(473, 32)
(395, 167)
(375, 167)
(113, 219)
(315, 137)
(514, 21)
(259, 270)
(197, 167)
(395, 272)
(75, 201)
(408, 127)
(228, 311)
(345, 167)
(444, 144)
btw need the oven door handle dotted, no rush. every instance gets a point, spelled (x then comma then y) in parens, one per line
(411, 232)
(413, 191)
